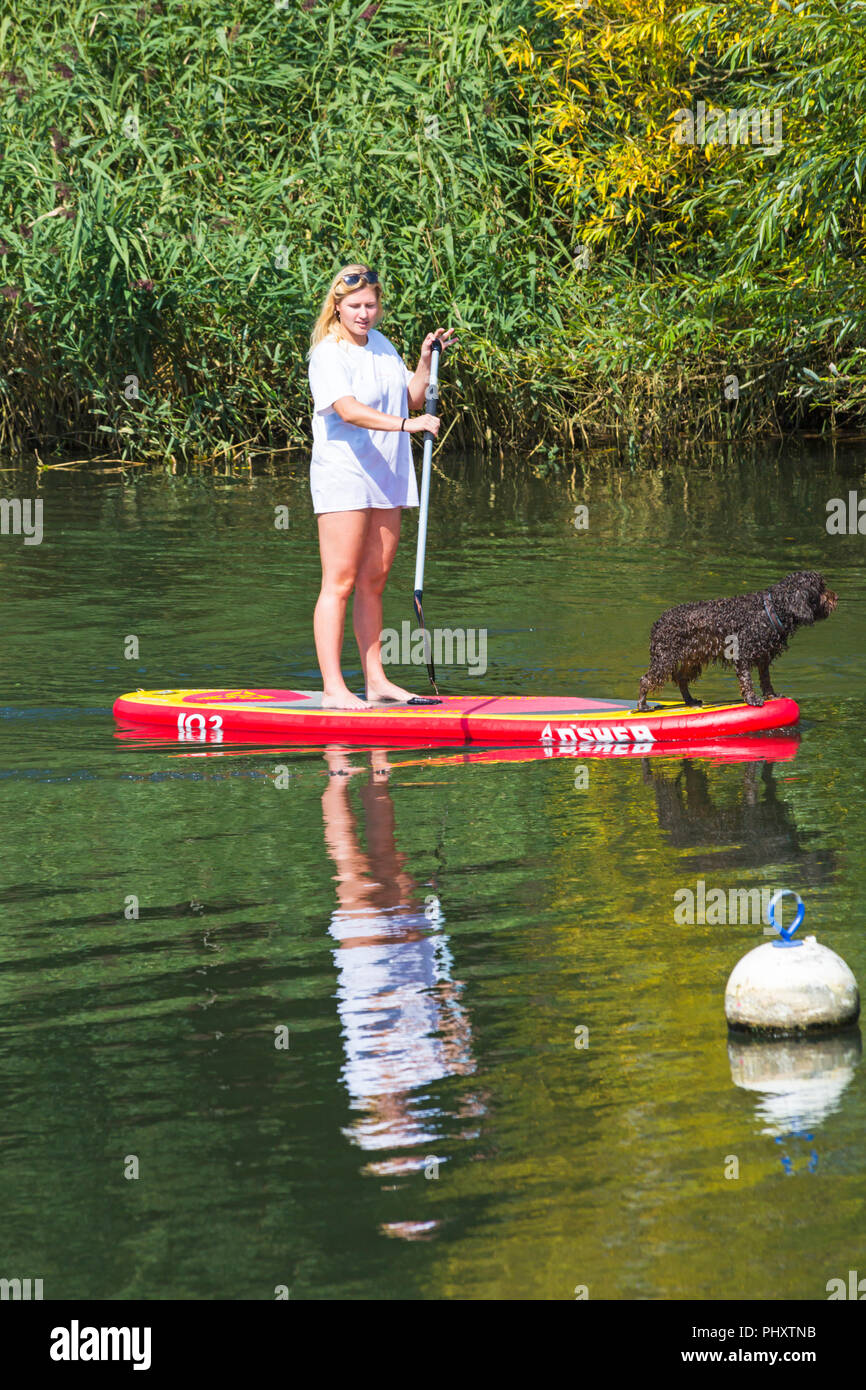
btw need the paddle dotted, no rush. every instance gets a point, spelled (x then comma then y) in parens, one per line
(431, 398)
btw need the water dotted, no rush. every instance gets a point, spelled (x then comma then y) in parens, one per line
(341, 1038)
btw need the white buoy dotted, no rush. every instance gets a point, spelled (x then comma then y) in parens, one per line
(789, 987)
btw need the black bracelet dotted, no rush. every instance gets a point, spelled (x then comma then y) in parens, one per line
(403, 424)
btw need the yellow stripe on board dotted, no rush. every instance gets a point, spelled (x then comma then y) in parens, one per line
(184, 699)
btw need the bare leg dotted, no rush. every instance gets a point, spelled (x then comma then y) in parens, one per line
(379, 764)
(341, 545)
(379, 550)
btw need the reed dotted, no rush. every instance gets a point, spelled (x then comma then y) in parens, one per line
(179, 180)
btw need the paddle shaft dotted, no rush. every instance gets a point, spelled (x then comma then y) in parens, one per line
(431, 400)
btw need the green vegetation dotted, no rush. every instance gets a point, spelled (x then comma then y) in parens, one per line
(179, 181)
(739, 255)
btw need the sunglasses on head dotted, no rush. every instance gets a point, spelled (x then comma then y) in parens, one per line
(362, 277)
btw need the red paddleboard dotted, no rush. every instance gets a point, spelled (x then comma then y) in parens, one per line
(543, 721)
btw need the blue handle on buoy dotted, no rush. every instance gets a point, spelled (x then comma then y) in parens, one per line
(786, 933)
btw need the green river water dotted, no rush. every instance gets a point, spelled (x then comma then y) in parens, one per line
(338, 1041)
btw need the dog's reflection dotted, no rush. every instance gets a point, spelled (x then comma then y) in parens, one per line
(404, 1026)
(756, 828)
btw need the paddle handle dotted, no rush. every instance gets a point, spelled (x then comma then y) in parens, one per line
(431, 400)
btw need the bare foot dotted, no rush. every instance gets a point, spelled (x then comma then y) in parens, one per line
(342, 699)
(379, 694)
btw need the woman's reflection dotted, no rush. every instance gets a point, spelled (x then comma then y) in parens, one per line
(404, 1026)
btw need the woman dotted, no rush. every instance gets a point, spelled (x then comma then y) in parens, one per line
(361, 473)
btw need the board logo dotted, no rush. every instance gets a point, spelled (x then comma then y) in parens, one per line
(200, 728)
(213, 697)
(602, 733)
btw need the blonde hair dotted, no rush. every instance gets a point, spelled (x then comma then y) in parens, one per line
(328, 324)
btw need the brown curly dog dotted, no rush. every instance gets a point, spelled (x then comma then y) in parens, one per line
(745, 631)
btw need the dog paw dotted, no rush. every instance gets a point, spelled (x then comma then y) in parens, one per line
(753, 700)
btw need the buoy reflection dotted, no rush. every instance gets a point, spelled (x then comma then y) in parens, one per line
(798, 1084)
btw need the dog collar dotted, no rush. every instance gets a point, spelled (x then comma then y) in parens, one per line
(772, 614)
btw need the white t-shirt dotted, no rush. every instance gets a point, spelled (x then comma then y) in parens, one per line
(353, 467)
